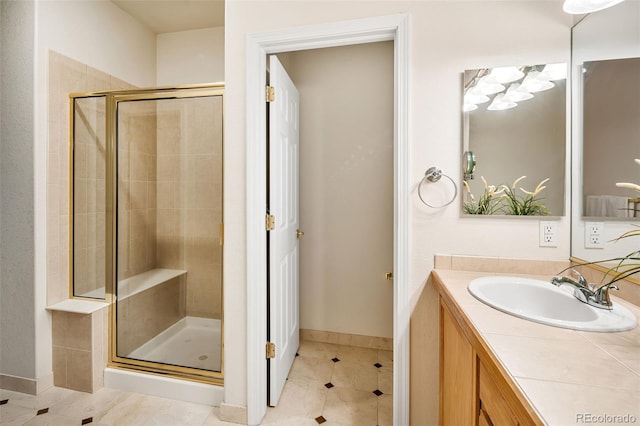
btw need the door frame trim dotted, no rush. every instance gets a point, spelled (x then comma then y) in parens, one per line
(343, 33)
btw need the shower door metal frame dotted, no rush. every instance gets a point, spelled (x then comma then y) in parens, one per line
(113, 97)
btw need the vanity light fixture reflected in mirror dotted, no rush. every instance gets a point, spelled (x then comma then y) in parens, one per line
(524, 82)
(578, 7)
(514, 121)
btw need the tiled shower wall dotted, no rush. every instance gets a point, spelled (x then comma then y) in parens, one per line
(190, 198)
(65, 76)
(188, 178)
(170, 194)
(136, 188)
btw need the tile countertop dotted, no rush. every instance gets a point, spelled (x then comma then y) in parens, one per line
(569, 377)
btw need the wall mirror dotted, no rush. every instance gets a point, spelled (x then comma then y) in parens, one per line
(514, 130)
(611, 138)
(606, 131)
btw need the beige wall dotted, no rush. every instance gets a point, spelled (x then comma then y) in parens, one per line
(190, 57)
(445, 39)
(346, 187)
(611, 130)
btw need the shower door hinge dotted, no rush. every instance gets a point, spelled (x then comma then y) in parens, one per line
(270, 222)
(270, 93)
(270, 351)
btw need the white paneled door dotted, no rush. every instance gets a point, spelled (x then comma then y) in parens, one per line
(283, 242)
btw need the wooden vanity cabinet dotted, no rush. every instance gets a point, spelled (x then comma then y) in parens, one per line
(473, 391)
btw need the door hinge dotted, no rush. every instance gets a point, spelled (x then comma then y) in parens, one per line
(270, 350)
(270, 222)
(389, 276)
(221, 234)
(270, 93)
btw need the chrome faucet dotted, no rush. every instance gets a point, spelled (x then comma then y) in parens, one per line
(585, 292)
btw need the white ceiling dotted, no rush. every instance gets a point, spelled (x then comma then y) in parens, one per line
(167, 16)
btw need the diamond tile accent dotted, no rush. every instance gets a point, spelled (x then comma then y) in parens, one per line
(42, 411)
(335, 359)
(4, 401)
(320, 420)
(378, 392)
(377, 365)
(328, 385)
(87, 420)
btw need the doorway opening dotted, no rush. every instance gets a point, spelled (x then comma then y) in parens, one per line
(344, 33)
(346, 250)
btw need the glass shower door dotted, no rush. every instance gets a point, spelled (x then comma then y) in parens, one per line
(168, 310)
(88, 188)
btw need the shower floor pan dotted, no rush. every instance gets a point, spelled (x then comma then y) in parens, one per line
(191, 342)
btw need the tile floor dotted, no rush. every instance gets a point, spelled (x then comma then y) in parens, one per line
(336, 385)
(328, 384)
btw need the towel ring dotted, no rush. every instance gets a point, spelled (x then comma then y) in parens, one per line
(433, 174)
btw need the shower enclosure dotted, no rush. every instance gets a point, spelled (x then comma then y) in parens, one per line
(147, 224)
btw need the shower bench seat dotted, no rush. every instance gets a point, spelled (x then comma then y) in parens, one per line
(146, 280)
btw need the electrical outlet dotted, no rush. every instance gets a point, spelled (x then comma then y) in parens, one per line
(548, 234)
(594, 235)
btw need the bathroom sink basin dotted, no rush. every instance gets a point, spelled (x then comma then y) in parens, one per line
(542, 302)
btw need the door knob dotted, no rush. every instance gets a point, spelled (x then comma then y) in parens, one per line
(299, 233)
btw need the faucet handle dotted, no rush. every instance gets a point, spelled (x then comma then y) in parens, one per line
(581, 279)
(601, 295)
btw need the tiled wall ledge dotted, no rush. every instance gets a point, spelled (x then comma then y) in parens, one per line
(372, 342)
(78, 306)
(144, 281)
(80, 344)
(499, 264)
(628, 290)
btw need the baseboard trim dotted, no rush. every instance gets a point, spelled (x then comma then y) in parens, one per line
(19, 384)
(372, 342)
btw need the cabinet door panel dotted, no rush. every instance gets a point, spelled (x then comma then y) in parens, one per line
(457, 374)
(492, 402)
(483, 419)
